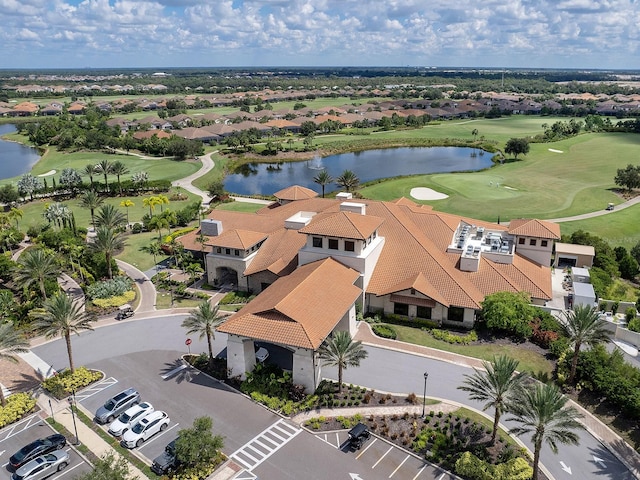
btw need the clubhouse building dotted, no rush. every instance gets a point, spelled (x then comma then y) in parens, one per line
(311, 260)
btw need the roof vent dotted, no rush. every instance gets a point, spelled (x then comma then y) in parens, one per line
(210, 227)
(344, 196)
(359, 208)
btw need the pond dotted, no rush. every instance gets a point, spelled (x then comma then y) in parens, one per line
(15, 158)
(266, 179)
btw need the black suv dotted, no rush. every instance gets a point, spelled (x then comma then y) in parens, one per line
(37, 448)
(166, 461)
(116, 405)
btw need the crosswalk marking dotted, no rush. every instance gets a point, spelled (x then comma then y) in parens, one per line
(279, 434)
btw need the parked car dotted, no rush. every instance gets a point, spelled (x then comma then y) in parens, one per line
(147, 427)
(262, 354)
(125, 421)
(37, 448)
(358, 435)
(166, 461)
(117, 404)
(43, 466)
(124, 311)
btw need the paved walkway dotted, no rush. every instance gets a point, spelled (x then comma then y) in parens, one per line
(609, 439)
(207, 166)
(144, 283)
(622, 206)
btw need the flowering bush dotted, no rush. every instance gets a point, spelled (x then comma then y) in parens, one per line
(18, 405)
(65, 383)
(115, 301)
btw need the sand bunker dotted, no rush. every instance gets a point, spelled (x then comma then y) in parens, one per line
(423, 193)
(48, 174)
(555, 151)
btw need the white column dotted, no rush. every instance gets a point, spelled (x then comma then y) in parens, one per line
(303, 370)
(241, 356)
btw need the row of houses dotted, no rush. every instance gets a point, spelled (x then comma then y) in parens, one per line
(311, 260)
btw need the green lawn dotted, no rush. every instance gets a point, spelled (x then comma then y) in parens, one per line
(133, 254)
(240, 207)
(620, 228)
(529, 361)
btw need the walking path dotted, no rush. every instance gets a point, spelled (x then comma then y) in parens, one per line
(622, 206)
(207, 166)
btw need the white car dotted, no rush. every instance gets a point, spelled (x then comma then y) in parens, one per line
(145, 428)
(262, 354)
(126, 420)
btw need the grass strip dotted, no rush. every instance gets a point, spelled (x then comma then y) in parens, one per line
(487, 424)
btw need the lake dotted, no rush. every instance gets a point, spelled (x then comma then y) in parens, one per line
(15, 158)
(266, 179)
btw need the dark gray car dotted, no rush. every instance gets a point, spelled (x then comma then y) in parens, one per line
(166, 461)
(117, 404)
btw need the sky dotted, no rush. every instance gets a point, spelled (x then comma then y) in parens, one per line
(585, 34)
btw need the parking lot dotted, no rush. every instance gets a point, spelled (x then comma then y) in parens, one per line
(385, 458)
(16, 436)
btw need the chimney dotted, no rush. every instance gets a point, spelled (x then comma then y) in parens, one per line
(353, 207)
(212, 228)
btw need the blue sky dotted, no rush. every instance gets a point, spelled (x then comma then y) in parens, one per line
(219, 33)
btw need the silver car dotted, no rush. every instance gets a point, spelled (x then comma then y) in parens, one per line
(117, 404)
(43, 466)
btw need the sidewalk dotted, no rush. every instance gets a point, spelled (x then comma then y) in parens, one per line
(86, 436)
(607, 437)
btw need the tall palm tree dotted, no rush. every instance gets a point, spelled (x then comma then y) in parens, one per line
(11, 342)
(203, 321)
(542, 410)
(150, 202)
(91, 200)
(118, 168)
(162, 200)
(340, 350)
(61, 317)
(90, 170)
(35, 266)
(583, 326)
(126, 204)
(348, 180)
(323, 178)
(110, 217)
(105, 167)
(109, 242)
(16, 214)
(495, 386)
(155, 249)
(158, 223)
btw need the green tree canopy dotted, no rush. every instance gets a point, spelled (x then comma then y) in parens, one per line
(197, 446)
(510, 312)
(339, 350)
(517, 146)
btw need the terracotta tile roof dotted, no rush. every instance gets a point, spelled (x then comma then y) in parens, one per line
(344, 225)
(534, 228)
(420, 283)
(278, 254)
(295, 192)
(241, 239)
(300, 309)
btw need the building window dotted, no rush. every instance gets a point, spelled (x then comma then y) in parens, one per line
(456, 314)
(413, 291)
(521, 241)
(349, 246)
(423, 312)
(544, 243)
(236, 253)
(333, 244)
(227, 251)
(218, 250)
(317, 242)
(532, 242)
(401, 309)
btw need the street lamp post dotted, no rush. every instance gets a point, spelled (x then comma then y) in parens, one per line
(424, 395)
(72, 401)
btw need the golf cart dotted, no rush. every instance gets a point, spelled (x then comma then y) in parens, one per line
(357, 436)
(124, 311)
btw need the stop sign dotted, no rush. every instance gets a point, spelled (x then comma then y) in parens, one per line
(187, 341)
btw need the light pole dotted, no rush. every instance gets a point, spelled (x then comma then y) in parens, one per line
(72, 401)
(424, 395)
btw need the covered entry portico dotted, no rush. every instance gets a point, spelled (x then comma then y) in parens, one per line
(298, 312)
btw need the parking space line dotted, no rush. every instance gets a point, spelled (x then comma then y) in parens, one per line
(67, 470)
(337, 440)
(398, 467)
(368, 447)
(422, 470)
(96, 388)
(21, 426)
(380, 459)
(158, 435)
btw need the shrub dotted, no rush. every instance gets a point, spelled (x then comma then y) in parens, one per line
(18, 405)
(634, 325)
(236, 297)
(178, 233)
(630, 314)
(452, 338)
(65, 383)
(109, 288)
(384, 331)
(136, 228)
(116, 301)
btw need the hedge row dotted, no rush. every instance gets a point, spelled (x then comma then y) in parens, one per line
(65, 383)
(18, 405)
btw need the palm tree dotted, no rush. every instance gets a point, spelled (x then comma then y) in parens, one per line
(109, 242)
(158, 223)
(105, 167)
(126, 204)
(203, 321)
(542, 410)
(58, 214)
(583, 326)
(155, 249)
(162, 200)
(340, 350)
(150, 202)
(11, 342)
(61, 316)
(495, 386)
(110, 217)
(118, 168)
(348, 180)
(193, 270)
(90, 170)
(16, 214)
(323, 178)
(91, 200)
(35, 265)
